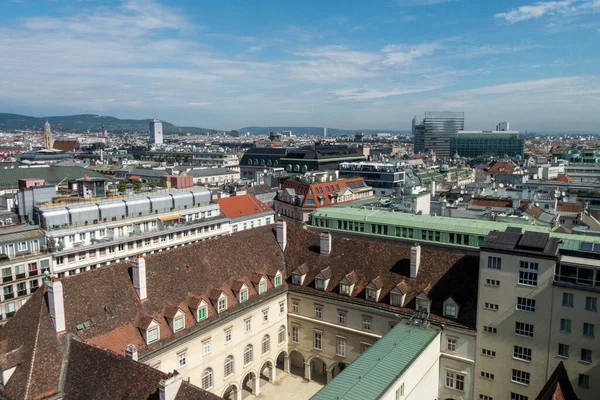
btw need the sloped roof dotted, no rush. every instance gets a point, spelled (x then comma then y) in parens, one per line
(52, 175)
(483, 202)
(242, 206)
(506, 167)
(564, 178)
(570, 207)
(325, 190)
(558, 387)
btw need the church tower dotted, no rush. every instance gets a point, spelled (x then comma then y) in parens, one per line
(47, 136)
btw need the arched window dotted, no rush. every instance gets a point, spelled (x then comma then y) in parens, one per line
(281, 334)
(248, 354)
(228, 366)
(207, 379)
(275, 163)
(266, 344)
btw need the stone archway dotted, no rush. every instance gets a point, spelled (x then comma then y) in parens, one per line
(296, 360)
(282, 362)
(232, 392)
(250, 385)
(318, 370)
(267, 373)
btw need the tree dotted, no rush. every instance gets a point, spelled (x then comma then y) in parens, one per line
(152, 185)
(137, 185)
(122, 187)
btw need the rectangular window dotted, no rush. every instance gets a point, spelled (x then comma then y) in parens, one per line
(490, 329)
(262, 287)
(400, 392)
(487, 375)
(590, 303)
(265, 315)
(152, 335)
(522, 353)
(247, 325)
(367, 323)
(494, 262)
(567, 299)
(295, 306)
(344, 289)
(586, 355)
(517, 396)
(342, 317)
(563, 350)
(206, 347)
(281, 307)
(319, 284)
(451, 344)
(528, 273)
(492, 282)
(295, 333)
(491, 306)
(182, 359)
(202, 313)
(278, 280)
(395, 299)
(485, 397)
(371, 295)
(341, 347)
(318, 312)
(178, 324)
(583, 381)
(588, 329)
(565, 325)
(488, 353)
(318, 342)
(222, 305)
(524, 304)
(243, 295)
(521, 377)
(523, 329)
(227, 335)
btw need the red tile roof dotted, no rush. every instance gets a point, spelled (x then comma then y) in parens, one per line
(565, 178)
(570, 207)
(481, 202)
(501, 167)
(66, 145)
(242, 206)
(318, 191)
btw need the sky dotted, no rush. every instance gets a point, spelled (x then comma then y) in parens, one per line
(348, 64)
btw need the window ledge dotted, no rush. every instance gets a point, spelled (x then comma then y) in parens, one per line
(520, 383)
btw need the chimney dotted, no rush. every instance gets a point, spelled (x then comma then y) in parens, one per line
(326, 243)
(131, 352)
(281, 230)
(139, 277)
(415, 260)
(56, 304)
(433, 189)
(168, 388)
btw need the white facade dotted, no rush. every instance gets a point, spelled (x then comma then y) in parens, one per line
(252, 221)
(156, 132)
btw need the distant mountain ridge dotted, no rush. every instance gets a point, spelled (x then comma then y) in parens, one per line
(314, 131)
(91, 122)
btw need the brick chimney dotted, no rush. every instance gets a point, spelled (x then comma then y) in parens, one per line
(131, 352)
(415, 260)
(281, 230)
(325, 243)
(56, 305)
(168, 388)
(139, 277)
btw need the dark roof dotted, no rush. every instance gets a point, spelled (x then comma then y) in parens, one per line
(52, 175)
(558, 387)
(211, 172)
(512, 240)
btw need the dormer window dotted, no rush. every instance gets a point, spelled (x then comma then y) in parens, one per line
(152, 335)
(344, 289)
(422, 304)
(202, 313)
(371, 295)
(278, 279)
(396, 299)
(243, 295)
(222, 304)
(450, 308)
(262, 286)
(320, 284)
(296, 279)
(178, 324)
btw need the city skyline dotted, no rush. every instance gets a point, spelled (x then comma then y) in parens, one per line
(342, 65)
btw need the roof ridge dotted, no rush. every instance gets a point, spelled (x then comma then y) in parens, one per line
(37, 335)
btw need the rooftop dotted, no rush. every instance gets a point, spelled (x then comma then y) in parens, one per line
(242, 206)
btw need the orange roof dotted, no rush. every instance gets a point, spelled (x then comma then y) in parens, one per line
(506, 167)
(564, 178)
(321, 191)
(570, 207)
(491, 202)
(241, 206)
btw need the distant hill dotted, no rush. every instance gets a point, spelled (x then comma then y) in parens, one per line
(311, 130)
(91, 122)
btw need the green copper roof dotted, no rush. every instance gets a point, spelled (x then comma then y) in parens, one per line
(370, 375)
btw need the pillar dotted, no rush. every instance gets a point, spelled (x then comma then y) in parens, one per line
(256, 385)
(273, 373)
(307, 370)
(238, 393)
(330, 374)
(286, 363)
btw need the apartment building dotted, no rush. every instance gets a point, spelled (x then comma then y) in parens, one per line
(24, 263)
(536, 308)
(245, 212)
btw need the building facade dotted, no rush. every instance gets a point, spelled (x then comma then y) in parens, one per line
(155, 131)
(472, 144)
(438, 129)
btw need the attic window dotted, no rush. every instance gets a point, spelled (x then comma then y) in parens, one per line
(450, 311)
(371, 295)
(178, 324)
(422, 305)
(262, 286)
(319, 284)
(152, 335)
(243, 295)
(296, 279)
(222, 305)
(278, 280)
(202, 314)
(344, 289)
(396, 299)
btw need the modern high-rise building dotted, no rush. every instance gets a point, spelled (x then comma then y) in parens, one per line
(413, 124)
(499, 143)
(503, 126)
(439, 128)
(156, 132)
(324, 132)
(47, 136)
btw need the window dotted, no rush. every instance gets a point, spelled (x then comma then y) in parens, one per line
(296, 279)
(567, 299)
(491, 306)
(565, 325)
(22, 246)
(583, 381)
(319, 284)
(367, 323)
(344, 289)
(342, 317)
(524, 304)
(152, 335)
(20, 271)
(455, 380)
(295, 306)
(248, 354)
(492, 282)
(371, 295)
(247, 325)
(318, 342)
(262, 287)
(202, 313)
(451, 344)
(485, 397)
(6, 275)
(422, 305)
(207, 379)
(400, 392)
(495, 262)
(520, 377)
(318, 312)
(528, 273)
(522, 353)
(395, 299)
(243, 295)
(488, 353)
(277, 280)
(228, 366)
(563, 350)
(295, 333)
(178, 324)
(265, 315)
(450, 310)
(487, 375)
(588, 329)
(182, 359)
(281, 335)
(222, 305)
(341, 347)
(227, 335)
(489, 329)
(517, 396)
(266, 344)
(281, 307)
(586, 355)
(523, 329)
(206, 347)
(590, 303)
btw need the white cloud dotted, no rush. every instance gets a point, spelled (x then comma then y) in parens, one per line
(340, 54)
(402, 54)
(540, 9)
(371, 94)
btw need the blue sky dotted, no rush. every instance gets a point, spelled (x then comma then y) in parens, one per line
(347, 64)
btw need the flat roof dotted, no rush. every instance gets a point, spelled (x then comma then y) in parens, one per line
(371, 374)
